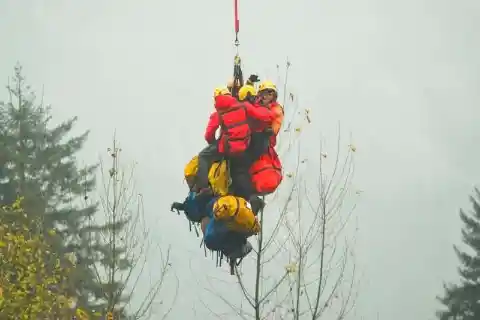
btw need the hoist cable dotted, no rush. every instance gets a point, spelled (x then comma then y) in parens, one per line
(237, 62)
(236, 23)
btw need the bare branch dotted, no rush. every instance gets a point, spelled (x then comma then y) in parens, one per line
(306, 221)
(126, 238)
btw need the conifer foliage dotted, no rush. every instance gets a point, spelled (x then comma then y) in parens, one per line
(462, 300)
(38, 163)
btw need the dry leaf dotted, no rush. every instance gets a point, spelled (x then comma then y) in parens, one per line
(291, 268)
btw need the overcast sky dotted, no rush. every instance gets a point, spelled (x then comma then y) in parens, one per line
(402, 76)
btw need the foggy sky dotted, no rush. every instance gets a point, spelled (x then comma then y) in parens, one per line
(402, 76)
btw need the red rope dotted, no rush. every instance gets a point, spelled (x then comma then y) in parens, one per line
(237, 22)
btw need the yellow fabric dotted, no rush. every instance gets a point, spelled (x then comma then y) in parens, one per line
(245, 90)
(237, 214)
(218, 176)
(220, 92)
(267, 85)
(190, 171)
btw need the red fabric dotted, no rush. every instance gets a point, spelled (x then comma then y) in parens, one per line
(273, 141)
(212, 126)
(237, 22)
(234, 119)
(266, 172)
(260, 126)
(276, 111)
(262, 115)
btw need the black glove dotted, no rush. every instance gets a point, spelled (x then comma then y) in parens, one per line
(177, 206)
(257, 204)
(250, 98)
(253, 78)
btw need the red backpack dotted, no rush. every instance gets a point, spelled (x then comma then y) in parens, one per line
(236, 133)
(266, 172)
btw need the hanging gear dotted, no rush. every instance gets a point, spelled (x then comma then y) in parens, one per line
(237, 61)
(237, 76)
(233, 213)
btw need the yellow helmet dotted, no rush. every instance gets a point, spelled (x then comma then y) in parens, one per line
(245, 90)
(221, 92)
(267, 85)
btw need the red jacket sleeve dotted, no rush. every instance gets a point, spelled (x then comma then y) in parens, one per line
(212, 126)
(260, 114)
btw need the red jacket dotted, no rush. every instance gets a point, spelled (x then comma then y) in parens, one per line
(277, 111)
(236, 118)
(212, 126)
(260, 126)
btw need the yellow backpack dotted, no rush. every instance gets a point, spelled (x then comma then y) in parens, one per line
(218, 176)
(237, 214)
(190, 171)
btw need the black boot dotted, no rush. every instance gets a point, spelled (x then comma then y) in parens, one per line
(241, 251)
(257, 204)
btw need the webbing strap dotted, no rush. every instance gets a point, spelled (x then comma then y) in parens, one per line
(237, 76)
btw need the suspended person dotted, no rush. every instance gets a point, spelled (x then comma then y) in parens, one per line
(239, 168)
(239, 171)
(233, 118)
(261, 131)
(267, 97)
(266, 172)
(259, 140)
(264, 135)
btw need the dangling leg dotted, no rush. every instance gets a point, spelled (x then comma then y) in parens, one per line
(241, 180)
(206, 157)
(238, 246)
(258, 145)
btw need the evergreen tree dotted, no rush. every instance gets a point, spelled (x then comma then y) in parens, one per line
(38, 162)
(462, 301)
